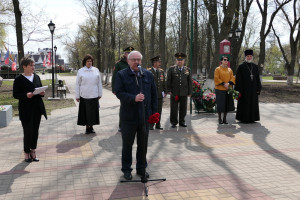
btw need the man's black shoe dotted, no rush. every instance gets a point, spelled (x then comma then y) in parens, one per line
(127, 175)
(141, 174)
(173, 126)
(183, 125)
(158, 127)
(87, 131)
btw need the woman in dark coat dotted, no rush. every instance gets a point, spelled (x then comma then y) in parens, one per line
(31, 107)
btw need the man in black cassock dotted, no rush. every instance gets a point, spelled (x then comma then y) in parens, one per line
(249, 85)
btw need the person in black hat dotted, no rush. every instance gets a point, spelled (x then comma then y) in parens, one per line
(179, 86)
(249, 85)
(121, 64)
(159, 78)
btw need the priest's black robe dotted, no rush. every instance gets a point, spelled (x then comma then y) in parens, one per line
(249, 85)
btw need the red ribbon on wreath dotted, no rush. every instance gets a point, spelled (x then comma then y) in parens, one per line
(153, 119)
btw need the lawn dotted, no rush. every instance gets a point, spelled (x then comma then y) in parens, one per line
(6, 98)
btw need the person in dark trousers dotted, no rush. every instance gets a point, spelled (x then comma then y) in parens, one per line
(159, 78)
(121, 64)
(179, 86)
(135, 100)
(224, 79)
(88, 91)
(31, 107)
(249, 85)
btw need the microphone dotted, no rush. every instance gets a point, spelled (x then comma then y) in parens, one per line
(141, 70)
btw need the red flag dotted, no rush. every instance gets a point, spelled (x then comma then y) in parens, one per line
(44, 61)
(6, 58)
(14, 64)
(49, 60)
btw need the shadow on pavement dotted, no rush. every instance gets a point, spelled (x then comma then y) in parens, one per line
(260, 134)
(16, 172)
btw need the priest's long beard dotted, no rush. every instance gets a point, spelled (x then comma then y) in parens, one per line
(248, 61)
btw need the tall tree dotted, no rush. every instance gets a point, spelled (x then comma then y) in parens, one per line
(141, 29)
(184, 7)
(294, 25)
(153, 25)
(162, 32)
(18, 17)
(104, 47)
(263, 31)
(220, 27)
(195, 42)
(240, 18)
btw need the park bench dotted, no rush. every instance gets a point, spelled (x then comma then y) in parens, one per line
(61, 89)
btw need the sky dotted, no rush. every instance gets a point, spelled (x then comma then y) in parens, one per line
(66, 14)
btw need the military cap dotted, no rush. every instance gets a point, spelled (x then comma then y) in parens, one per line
(249, 52)
(128, 49)
(156, 58)
(180, 55)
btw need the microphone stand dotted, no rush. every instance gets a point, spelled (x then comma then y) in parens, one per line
(144, 179)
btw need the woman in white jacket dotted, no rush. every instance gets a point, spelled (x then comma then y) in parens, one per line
(88, 91)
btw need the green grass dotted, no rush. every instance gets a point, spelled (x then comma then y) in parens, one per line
(6, 98)
(68, 74)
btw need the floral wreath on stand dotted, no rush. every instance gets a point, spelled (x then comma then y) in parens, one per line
(197, 94)
(209, 100)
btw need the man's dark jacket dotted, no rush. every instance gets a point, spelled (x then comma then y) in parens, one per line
(20, 89)
(126, 88)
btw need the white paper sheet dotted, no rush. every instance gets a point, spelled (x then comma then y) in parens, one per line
(39, 90)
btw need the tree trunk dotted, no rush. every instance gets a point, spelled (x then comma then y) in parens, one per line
(18, 17)
(162, 33)
(152, 37)
(263, 32)
(220, 31)
(98, 41)
(141, 30)
(195, 42)
(183, 25)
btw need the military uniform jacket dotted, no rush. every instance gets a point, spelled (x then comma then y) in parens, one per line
(121, 64)
(127, 86)
(179, 83)
(160, 81)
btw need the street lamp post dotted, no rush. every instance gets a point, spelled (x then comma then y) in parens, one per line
(55, 48)
(52, 28)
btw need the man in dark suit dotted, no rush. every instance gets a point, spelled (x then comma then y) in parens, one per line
(179, 86)
(121, 64)
(136, 90)
(159, 78)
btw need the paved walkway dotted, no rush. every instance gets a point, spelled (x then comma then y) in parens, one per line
(203, 161)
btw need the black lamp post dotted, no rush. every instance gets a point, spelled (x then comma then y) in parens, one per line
(52, 28)
(55, 48)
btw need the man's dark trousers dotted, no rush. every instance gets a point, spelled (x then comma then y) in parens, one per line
(129, 131)
(182, 101)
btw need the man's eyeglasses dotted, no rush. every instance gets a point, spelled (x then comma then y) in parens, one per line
(225, 59)
(180, 59)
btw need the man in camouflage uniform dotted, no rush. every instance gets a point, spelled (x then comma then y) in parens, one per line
(159, 78)
(121, 64)
(179, 86)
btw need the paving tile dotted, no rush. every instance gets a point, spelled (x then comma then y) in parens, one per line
(203, 161)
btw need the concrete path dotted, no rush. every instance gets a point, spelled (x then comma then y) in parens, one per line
(203, 161)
